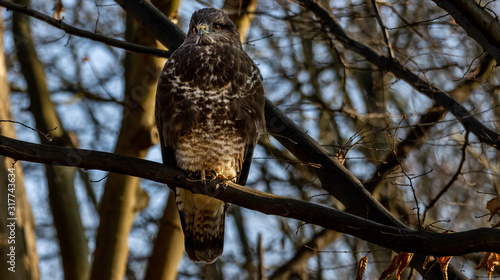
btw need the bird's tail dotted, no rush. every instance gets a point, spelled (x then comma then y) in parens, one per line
(202, 219)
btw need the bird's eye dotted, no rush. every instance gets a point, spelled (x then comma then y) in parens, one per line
(194, 30)
(217, 27)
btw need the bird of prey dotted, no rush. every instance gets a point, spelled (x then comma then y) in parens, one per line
(209, 112)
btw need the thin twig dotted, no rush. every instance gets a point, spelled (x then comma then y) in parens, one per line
(410, 179)
(44, 134)
(385, 33)
(454, 177)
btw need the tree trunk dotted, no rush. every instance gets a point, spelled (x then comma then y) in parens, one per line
(169, 245)
(123, 197)
(60, 180)
(21, 238)
(241, 13)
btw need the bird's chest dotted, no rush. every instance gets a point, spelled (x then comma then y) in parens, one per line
(211, 145)
(214, 143)
(210, 67)
(213, 105)
(215, 124)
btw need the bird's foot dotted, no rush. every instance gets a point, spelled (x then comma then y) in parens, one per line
(208, 176)
(203, 174)
(224, 180)
(212, 175)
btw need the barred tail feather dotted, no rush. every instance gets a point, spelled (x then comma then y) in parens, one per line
(202, 219)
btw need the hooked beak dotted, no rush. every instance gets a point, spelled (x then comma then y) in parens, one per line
(202, 30)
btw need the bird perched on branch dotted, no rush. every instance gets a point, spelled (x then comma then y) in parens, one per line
(209, 113)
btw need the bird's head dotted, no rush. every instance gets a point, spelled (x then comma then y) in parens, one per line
(212, 26)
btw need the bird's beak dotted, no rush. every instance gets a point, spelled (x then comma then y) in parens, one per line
(202, 30)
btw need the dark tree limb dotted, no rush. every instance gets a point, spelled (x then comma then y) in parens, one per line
(395, 238)
(83, 33)
(477, 22)
(165, 31)
(483, 133)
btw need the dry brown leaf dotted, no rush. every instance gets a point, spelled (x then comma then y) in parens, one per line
(404, 261)
(401, 260)
(361, 267)
(427, 260)
(390, 269)
(490, 260)
(443, 263)
(58, 10)
(493, 206)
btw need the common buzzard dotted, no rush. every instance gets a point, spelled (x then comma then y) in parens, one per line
(210, 113)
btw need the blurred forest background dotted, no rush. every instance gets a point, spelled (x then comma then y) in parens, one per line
(417, 159)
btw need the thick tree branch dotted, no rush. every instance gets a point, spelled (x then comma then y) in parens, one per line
(83, 33)
(472, 124)
(394, 238)
(477, 22)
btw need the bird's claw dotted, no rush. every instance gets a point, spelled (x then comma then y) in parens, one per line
(208, 176)
(213, 175)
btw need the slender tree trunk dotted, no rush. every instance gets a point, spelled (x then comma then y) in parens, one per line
(60, 180)
(241, 13)
(169, 245)
(123, 197)
(21, 237)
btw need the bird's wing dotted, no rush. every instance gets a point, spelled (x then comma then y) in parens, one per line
(175, 114)
(248, 111)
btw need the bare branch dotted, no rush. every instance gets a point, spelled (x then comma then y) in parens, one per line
(383, 29)
(169, 34)
(84, 33)
(478, 23)
(394, 238)
(454, 177)
(415, 136)
(484, 134)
